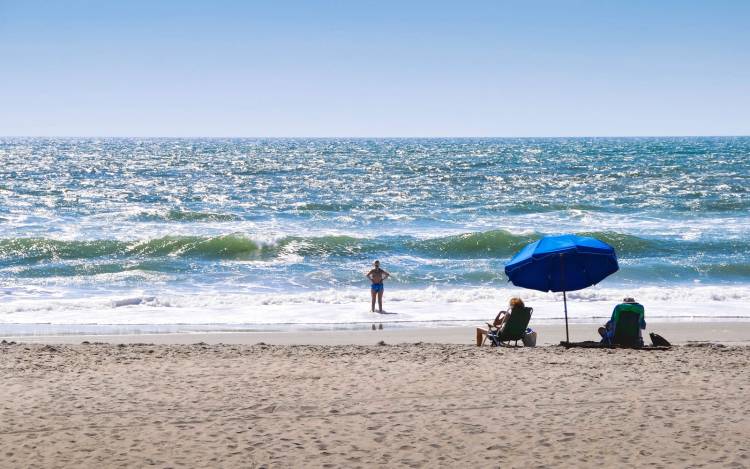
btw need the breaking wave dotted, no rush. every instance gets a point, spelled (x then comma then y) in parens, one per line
(479, 245)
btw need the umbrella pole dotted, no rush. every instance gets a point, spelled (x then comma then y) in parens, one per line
(565, 300)
(565, 303)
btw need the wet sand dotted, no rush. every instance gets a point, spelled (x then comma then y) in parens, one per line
(725, 332)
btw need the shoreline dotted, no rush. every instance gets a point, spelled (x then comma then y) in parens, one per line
(682, 332)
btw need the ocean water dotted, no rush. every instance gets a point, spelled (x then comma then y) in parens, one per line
(191, 234)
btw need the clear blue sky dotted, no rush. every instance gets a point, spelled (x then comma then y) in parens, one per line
(380, 68)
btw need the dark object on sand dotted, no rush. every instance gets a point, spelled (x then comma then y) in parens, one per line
(514, 329)
(584, 344)
(594, 344)
(562, 264)
(659, 341)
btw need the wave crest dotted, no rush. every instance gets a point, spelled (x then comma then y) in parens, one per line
(497, 244)
(26, 250)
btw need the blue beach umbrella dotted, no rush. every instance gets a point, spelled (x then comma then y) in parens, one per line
(562, 264)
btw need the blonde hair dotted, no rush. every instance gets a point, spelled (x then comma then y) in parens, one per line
(516, 302)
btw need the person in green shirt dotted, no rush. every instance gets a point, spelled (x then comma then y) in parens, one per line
(628, 304)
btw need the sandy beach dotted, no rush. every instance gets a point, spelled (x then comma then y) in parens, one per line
(401, 405)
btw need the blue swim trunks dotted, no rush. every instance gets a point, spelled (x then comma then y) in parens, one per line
(377, 287)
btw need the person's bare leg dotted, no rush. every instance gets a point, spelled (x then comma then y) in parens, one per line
(373, 300)
(380, 300)
(480, 336)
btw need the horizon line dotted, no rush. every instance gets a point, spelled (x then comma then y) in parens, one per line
(300, 137)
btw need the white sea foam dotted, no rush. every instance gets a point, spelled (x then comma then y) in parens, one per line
(121, 226)
(344, 307)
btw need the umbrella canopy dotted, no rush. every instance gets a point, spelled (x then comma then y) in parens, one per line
(562, 263)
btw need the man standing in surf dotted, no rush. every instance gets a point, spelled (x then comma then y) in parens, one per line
(376, 276)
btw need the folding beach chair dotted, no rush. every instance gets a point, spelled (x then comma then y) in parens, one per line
(627, 329)
(514, 329)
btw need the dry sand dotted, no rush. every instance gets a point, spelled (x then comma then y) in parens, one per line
(417, 405)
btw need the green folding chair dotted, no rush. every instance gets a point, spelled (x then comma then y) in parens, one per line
(514, 329)
(627, 327)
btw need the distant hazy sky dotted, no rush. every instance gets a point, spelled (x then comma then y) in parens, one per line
(379, 68)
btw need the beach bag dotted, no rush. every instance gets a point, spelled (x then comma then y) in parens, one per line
(529, 338)
(659, 341)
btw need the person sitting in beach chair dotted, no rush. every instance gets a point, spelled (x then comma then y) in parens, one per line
(625, 326)
(508, 325)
